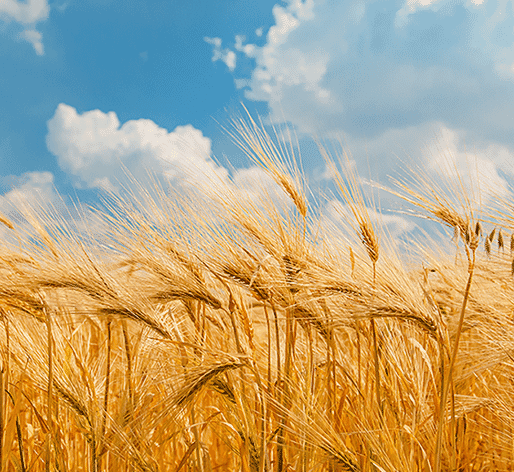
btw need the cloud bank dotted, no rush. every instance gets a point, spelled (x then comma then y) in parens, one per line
(365, 67)
(393, 76)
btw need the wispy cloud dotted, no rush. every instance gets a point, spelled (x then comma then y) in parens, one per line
(27, 14)
(225, 55)
(34, 38)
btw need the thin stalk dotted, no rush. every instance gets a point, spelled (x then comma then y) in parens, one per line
(377, 368)
(357, 330)
(453, 428)
(277, 343)
(107, 381)
(203, 332)
(129, 363)
(309, 392)
(375, 354)
(289, 343)
(199, 462)
(280, 433)
(2, 417)
(286, 397)
(260, 398)
(18, 433)
(268, 340)
(331, 375)
(128, 355)
(94, 457)
(232, 307)
(359, 355)
(20, 445)
(448, 376)
(4, 382)
(50, 391)
(268, 390)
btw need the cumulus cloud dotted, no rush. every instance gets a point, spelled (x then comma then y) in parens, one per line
(281, 64)
(97, 151)
(27, 14)
(94, 148)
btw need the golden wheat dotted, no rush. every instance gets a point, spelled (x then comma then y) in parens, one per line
(256, 337)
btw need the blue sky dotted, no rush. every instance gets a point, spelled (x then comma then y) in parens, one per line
(87, 85)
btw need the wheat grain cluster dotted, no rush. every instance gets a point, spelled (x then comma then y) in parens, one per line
(253, 336)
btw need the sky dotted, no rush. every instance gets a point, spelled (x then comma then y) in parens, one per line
(90, 89)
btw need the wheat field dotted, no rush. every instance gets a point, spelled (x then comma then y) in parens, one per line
(255, 336)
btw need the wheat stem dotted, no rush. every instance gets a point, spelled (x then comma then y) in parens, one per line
(448, 376)
(107, 383)
(50, 390)
(129, 363)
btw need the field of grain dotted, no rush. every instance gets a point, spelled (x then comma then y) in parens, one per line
(254, 337)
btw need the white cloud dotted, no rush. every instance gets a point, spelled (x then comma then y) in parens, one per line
(31, 190)
(34, 38)
(397, 78)
(477, 169)
(255, 185)
(94, 148)
(225, 55)
(411, 6)
(443, 155)
(249, 49)
(27, 14)
(34, 193)
(329, 66)
(229, 58)
(392, 225)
